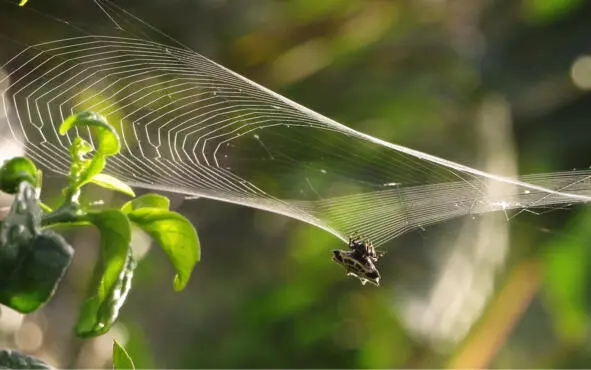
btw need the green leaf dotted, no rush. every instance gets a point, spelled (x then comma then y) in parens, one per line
(175, 235)
(82, 170)
(22, 3)
(32, 262)
(147, 201)
(108, 139)
(121, 359)
(15, 360)
(79, 148)
(113, 183)
(96, 165)
(37, 273)
(16, 170)
(114, 271)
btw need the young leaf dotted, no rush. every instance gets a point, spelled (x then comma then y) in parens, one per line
(82, 170)
(175, 235)
(146, 201)
(110, 182)
(108, 139)
(16, 170)
(121, 359)
(79, 148)
(95, 166)
(114, 271)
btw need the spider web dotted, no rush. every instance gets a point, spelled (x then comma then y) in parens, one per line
(191, 126)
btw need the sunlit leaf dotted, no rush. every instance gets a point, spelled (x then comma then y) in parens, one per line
(147, 201)
(79, 148)
(121, 359)
(175, 235)
(83, 170)
(113, 273)
(96, 165)
(113, 183)
(108, 139)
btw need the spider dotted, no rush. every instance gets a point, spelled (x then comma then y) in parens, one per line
(364, 248)
(359, 262)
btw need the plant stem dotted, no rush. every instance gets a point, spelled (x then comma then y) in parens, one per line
(67, 213)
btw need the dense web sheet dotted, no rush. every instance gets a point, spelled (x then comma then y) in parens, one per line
(191, 126)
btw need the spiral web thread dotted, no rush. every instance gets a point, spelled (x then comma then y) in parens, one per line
(188, 125)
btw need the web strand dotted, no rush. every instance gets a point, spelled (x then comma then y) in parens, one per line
(191, 126)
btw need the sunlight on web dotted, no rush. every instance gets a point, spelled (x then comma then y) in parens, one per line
(191, 126)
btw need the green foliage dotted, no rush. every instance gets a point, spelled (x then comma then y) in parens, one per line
(172, 232)
(84, 170)
(121, 359)
(114, 273)
(146, 201)
(16, 360)
(108, 140)
(112, 183)
(33, 259)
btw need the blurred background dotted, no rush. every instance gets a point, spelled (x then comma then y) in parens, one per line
(498, 85)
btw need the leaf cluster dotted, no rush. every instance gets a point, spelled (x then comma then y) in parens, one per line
(34, 258)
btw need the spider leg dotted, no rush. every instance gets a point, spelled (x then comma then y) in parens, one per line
(356, 236)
